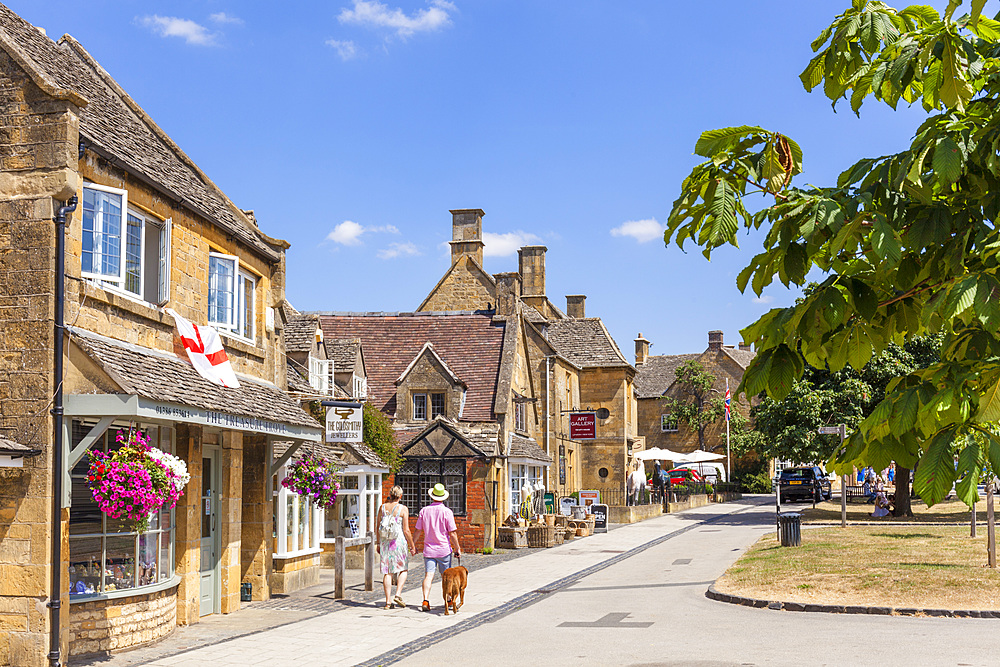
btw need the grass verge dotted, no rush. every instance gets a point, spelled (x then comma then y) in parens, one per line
(948, 511)
(932, 567)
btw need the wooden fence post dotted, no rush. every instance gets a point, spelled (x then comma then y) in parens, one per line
(370, 562)
(991, 542)
(339, 559)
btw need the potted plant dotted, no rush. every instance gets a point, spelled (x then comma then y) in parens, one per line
(136, 480)
(313, 477)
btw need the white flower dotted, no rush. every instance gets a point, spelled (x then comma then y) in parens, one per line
(176, 466)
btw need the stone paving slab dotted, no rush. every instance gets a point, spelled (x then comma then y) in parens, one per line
(359, 632)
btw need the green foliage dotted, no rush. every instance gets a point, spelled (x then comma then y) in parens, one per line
(695, 407)
(907, 243)
(379, 436)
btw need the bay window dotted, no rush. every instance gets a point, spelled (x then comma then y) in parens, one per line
(231, 296)
(357, 504)
(297, 521)
(521, 474)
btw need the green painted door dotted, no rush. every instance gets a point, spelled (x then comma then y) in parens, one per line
(210, 593)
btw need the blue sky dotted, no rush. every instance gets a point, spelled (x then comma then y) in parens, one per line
(351, 127)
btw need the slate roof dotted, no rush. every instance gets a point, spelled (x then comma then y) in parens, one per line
(300, 333)
(470, 343)
(742, 357)
(527, 448)
(112, 124)
(16, 449)
(656, 374)
(532, 315)
(328, 451)
(160, 376)
(585, 342)
(362, 454)
(344, 353)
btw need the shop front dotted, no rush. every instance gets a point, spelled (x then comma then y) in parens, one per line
(128, 588)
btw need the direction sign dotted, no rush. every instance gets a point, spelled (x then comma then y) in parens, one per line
(829, 430)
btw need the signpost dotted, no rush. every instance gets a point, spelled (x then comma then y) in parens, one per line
(840, 430)
(600, 517)
(583, 425)
(344, 422)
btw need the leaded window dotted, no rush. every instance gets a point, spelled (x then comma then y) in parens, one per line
(418, 476)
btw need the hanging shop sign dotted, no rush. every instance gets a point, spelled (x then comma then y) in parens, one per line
(582, 425)
(344, 423)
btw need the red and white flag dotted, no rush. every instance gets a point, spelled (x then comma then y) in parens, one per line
(204, 348)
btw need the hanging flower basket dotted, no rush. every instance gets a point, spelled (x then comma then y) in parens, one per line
(313, 477)
(136, 480)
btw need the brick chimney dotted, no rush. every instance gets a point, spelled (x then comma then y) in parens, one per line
(531, 264)
(715, 340)
(576, 305)
(467, 234)
(641, 350)
(508, 292)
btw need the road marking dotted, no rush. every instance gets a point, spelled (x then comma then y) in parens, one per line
(614, 620)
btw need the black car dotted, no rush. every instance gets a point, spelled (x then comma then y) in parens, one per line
(805, 483)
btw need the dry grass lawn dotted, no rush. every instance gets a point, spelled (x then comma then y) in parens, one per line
(930, 567)
(949, 511)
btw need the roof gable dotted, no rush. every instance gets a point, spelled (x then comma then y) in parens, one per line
(441, 440)
(585, 342)
(427, 351)
(657, 373)
(470, 266)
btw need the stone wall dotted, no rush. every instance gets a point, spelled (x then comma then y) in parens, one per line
(38, 138)
(107, 626)
(187, 536)
(231, 519)
(427, 377)
(255, 534)
(465, 287)
(295, 573)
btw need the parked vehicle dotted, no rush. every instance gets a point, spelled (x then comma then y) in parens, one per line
(683, 476)
(712, 472)
(804, 483)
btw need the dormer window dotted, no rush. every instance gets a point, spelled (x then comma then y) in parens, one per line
(419, 407)
(437, 405)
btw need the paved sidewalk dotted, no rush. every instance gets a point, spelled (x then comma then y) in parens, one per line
(354, 632)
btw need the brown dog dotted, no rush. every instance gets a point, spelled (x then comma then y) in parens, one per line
(453, 581)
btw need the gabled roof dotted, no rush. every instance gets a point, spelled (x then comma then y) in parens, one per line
(741, 357)
(300, 333)
(115, 127)
(428, 349)
(356, 453)
(476, 268)
(344, 353)
(526, 448)
(470, 344)
(161, 376)
(656, 374)
(585, 342)
(442, 439)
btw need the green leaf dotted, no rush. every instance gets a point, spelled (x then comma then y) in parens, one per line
(952, 6)
(785, 368)
(859, 347)
(904, 411)
(977, 8)
(968, 470)
(924, 14)
(865, 300)
(724, 139)
(947, 161)
(885, 243)
(989, 405)
(936, 472)
(955, 91)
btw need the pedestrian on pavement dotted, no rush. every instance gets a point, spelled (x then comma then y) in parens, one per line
(395, 544)
(437, 523)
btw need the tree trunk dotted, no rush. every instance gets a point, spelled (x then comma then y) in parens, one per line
(902, 501)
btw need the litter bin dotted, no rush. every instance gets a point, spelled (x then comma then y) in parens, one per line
(790, 529)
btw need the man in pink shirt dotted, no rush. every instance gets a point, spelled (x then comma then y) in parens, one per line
(437, 523)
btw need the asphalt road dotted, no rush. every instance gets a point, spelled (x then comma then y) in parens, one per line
(651, 609)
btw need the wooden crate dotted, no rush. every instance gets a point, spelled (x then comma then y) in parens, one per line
(541, 536)
(512, 538)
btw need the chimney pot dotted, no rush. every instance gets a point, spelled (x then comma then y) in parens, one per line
(576, 305)
(715, 340)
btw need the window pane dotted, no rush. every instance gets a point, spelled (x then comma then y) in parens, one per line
(420, 406)
(84, 566)
(411, 490)
(456, 493)
(147, 565)
(119, 571)
(305, 522)
(84, 515)
(454, 467)
(221, 277)
(246, 315)
(437, 404)
(89, 219)
(290, 522)
(350, 513)
(101, 241)
(133, 254)
(349, 482)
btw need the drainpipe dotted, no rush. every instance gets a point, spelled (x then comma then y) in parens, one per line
(548, 421)
(57, 445)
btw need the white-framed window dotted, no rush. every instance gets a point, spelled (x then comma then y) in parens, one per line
(419, 407)
(668, 423)
(123, 248)
(298, 522)
(321, 375)
(360, 387)
(520, 422)
(231, 296)
(521, 474)
(357, 504)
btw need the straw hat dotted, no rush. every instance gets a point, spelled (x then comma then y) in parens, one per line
(438, 493)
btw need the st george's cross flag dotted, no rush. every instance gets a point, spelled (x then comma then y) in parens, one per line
(204, 349)
(728, 399)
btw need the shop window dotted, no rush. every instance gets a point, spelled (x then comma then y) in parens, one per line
(122, 248)
(231, 296)
(357, 503)
(104, 555)
(668, 423)
(418, 476)
(419, 407)
(521, 475)
(437, 405)
(297, 521)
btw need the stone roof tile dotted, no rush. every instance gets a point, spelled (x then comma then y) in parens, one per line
(300, 333)
(527, 448)
(160, 376)
(653, 377)
(585, 342)
(344, 353)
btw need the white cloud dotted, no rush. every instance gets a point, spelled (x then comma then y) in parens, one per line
(763, 298)
(374, 14)
(186, 29)
(398, 250)
(642, 231)
(345, 49)
(349, 232)
(222, 17)
(503, 245)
